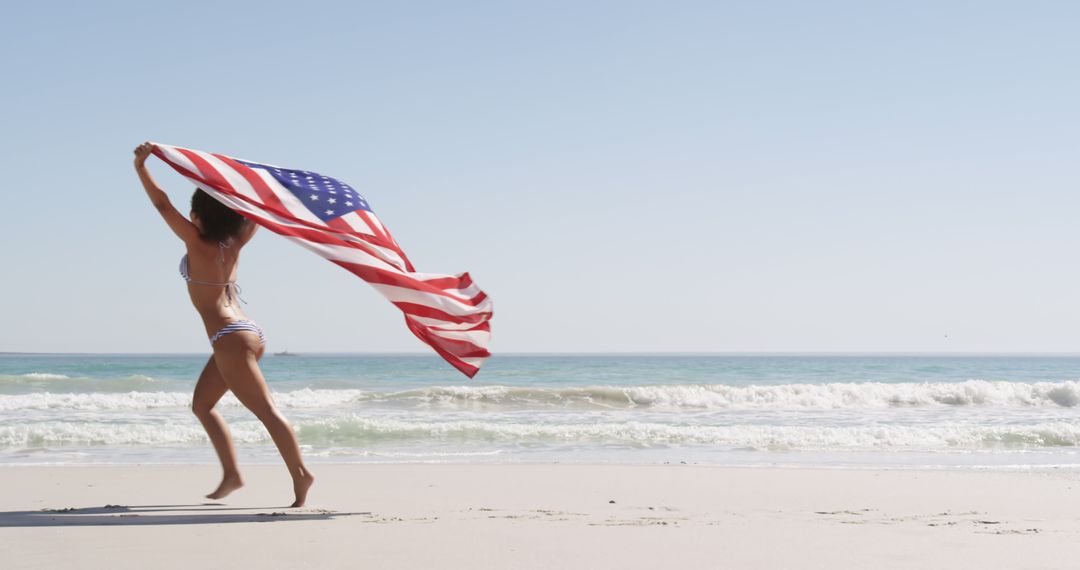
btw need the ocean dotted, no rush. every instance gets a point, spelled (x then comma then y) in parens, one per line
(1001, 412)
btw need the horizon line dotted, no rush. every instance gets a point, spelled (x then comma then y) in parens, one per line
(780, 353)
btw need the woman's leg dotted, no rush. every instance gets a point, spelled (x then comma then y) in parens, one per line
(210, 388)
(237, 357)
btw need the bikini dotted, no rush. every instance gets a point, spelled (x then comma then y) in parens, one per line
(231, 289)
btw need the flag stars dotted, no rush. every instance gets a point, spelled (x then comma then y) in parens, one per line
(321, 193)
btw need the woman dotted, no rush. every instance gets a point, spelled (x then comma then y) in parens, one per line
(213, 237)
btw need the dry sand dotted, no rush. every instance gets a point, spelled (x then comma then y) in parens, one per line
(540, 516)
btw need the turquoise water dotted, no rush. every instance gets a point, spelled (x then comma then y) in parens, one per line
(732, 410)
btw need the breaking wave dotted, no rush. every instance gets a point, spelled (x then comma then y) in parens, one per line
(835, 396)
(361, 432)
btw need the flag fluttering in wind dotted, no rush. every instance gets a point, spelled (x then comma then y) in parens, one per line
(329, 217)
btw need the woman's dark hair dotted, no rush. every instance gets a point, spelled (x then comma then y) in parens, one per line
(218, 221)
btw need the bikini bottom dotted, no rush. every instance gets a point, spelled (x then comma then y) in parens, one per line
(239, 326)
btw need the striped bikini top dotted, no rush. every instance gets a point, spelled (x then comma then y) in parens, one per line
(232, 288)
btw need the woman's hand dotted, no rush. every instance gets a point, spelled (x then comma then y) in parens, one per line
(141, 152)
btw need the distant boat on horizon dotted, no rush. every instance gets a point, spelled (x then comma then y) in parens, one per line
(284, 353)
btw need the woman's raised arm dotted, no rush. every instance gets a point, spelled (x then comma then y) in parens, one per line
(181, 226)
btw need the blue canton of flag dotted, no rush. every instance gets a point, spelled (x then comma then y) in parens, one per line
(326, 197)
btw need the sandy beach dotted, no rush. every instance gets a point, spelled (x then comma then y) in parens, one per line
(541, 516)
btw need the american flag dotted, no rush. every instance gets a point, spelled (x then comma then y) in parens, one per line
(329, 217)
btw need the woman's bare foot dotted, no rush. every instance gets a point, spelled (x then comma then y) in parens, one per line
(228, 484)
(300, 487)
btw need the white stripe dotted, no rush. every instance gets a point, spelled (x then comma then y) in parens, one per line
(431, 322)
(375, 220)
(235, 180)
(474, 362)
(467, 293)
(385, 254)
(479, 338)
(346, 254)
(357, 223)
(440, 302)
(390, 256)
(394, 293)
(360, 256)
(173, 154)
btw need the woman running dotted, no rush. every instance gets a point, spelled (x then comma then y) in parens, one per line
(214, 237)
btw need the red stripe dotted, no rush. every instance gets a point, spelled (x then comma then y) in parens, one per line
(422, 334)
(270, 199)
(182, 170)
(462, 281)
(384, 277)
(378, 228)
(461, 348)
(340, 225)
(209, 173)
(344, 227)
(484, 326)
(377, 239)
(431, 313)
(375, 227)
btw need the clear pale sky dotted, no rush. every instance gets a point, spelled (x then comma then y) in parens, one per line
(618, 176)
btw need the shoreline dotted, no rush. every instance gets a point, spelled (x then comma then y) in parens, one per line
(541, 516)
(936, 468)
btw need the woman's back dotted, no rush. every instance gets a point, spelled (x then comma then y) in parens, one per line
(210, 268)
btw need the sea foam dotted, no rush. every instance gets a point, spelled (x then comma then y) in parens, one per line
(43, 376)
(722, 396)
(305, 398)
(363, 432)
(835, 396)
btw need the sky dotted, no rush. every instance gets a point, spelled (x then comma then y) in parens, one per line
(618, 176)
